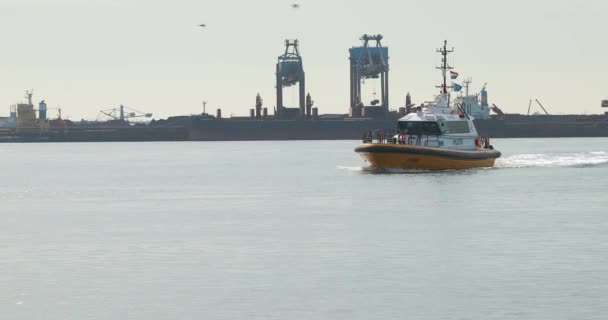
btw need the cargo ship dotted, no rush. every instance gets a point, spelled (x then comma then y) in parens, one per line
(205, 127)
(28, 124)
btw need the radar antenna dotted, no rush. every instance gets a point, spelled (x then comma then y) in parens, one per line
(28, 96)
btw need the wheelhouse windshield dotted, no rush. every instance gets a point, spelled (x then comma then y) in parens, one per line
(425, 128)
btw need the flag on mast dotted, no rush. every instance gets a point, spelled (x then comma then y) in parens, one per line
(457, 87)
(453, 74)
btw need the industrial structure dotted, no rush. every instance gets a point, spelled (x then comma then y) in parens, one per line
(259, 103)
(310, 111)
(369, 62)
(28, 124)
(289, 72)
(26, 121)
(123, 114)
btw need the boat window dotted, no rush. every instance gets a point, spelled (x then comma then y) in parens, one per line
(457, 127)
(427, 128)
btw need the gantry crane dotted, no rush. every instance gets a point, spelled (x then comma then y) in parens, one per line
(290, 71)
(368, 62)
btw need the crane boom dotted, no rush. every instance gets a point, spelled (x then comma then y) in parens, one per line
(547, 113)
(123, 113)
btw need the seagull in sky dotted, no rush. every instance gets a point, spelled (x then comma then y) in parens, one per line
(202, 25)
(295, 6)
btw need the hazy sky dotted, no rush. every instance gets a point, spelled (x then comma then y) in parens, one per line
(88, 55)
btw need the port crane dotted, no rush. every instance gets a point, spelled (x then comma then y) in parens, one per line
(122, 113)
(368, 61)
(289, 72)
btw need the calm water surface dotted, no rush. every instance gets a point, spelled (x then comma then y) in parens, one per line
(297, 230)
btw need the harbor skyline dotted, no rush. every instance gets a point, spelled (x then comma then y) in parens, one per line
(85, 56)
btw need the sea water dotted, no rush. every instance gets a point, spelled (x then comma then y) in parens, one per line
(300, 230)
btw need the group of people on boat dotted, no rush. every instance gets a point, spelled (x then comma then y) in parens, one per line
(401, 137)
(483, 142)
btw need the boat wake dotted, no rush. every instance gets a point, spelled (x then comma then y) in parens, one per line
(532, 160)
(353, 169)
(554, 160)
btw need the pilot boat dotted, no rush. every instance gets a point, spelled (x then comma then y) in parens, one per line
(433, 137)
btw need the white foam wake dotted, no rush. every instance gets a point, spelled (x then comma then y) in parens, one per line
(354, 169)
(581, 159)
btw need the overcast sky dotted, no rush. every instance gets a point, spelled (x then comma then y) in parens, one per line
(88, 55)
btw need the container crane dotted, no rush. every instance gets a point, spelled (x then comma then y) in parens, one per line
(290, 71)
(369, 62)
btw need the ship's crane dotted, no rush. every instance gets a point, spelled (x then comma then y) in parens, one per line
(497, 110)
(290, 71)
(538, 102)
(547, 113)
(58, 111)
(123, 114)
(368, 62)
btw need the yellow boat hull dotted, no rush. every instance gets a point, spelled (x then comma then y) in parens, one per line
(388, 156)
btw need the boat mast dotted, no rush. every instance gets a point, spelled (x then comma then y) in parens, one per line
(445, 67)
(467, 82)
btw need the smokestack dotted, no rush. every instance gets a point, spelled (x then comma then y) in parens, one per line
(219, 113)
(408, 104)
(42, 110)
(309, 104)
(258, 106)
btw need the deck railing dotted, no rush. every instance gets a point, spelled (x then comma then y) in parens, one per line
(391, 136)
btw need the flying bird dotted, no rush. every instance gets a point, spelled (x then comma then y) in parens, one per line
(202, 25)
(295, 6)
